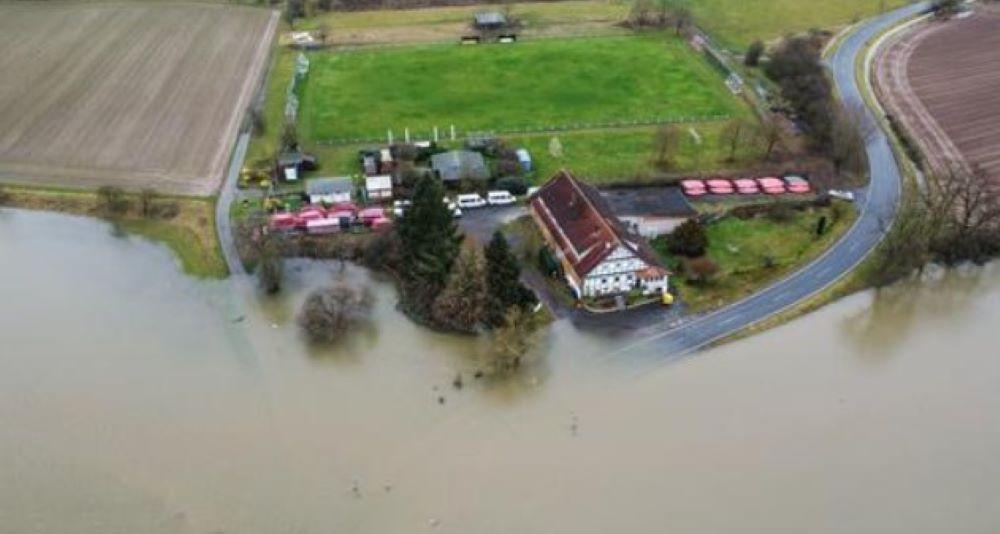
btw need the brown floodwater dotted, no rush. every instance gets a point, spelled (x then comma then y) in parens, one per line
(136, 399)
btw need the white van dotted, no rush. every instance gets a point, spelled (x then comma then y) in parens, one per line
(471, 200)
(500, 198)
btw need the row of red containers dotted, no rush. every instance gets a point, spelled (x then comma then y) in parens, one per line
(317, 219)
(746, 186)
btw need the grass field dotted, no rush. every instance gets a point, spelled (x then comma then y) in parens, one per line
(128, 94)
(737, 23)
(752, 253)
(531, 84)
(538, 19)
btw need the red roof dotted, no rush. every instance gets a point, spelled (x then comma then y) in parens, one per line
(582, 225)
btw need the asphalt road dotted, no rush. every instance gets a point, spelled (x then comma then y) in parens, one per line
(227, 195)
(877, 206)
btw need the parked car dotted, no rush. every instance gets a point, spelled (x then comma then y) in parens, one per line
(500, 198)
(470, 200)
(532, 190)
(720, 187)
(772, 185)
(842, 195)
(746, 186)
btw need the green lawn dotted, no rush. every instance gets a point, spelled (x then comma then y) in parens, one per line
(628, 155)
(752, 253)
(543, 83)
(737, 23)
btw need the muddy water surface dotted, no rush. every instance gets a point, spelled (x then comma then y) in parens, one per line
(136, 399)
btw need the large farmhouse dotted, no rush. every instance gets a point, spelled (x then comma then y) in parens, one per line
(599, 258)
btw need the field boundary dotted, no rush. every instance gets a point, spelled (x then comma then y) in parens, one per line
(445, 134)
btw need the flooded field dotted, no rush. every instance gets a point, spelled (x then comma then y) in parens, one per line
(135, 399)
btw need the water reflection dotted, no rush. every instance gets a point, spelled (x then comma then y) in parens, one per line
(937, 294)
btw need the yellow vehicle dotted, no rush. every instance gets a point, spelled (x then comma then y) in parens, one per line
(668, 299)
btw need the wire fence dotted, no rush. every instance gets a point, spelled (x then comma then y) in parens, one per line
(451, 133)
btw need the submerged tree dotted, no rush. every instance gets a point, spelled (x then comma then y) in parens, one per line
(462, 305)
(328, 313)
(513, 341)
(264, 248)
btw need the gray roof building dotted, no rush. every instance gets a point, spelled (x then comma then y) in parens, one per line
(460, 165)
(329, 186)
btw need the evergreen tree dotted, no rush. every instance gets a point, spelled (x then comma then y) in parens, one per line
(429, 244)
(689, 239)
(461, 307)
(503, 281)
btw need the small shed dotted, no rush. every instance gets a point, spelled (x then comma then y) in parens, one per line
(330, 190)
(378, 187)
(524, 158)
(457, 165)
(489, 20)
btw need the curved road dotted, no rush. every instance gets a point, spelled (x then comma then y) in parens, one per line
(877, 206)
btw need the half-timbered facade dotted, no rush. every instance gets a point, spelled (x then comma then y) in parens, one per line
(598, 257)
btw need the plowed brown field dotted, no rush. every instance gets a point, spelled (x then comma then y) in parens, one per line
(943, 79)
(136, 95)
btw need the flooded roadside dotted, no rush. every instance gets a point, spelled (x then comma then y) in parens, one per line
(136, 399)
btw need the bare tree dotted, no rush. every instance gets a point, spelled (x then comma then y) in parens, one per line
(734, 133)
(771, 134)
(963, 208)
(850, 132)
(666, 143)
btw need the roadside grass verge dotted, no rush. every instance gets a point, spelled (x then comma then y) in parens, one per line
(190, 234)
(753, 253)
(536, 84)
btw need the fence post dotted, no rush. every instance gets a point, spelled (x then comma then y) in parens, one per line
(452, 132)
(406, 135)
(390, 136)
(435, 134)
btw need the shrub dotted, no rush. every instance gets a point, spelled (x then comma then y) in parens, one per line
(112, 200)
(702, 269)
(752, 57)
(689, 239)
(780, 212)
